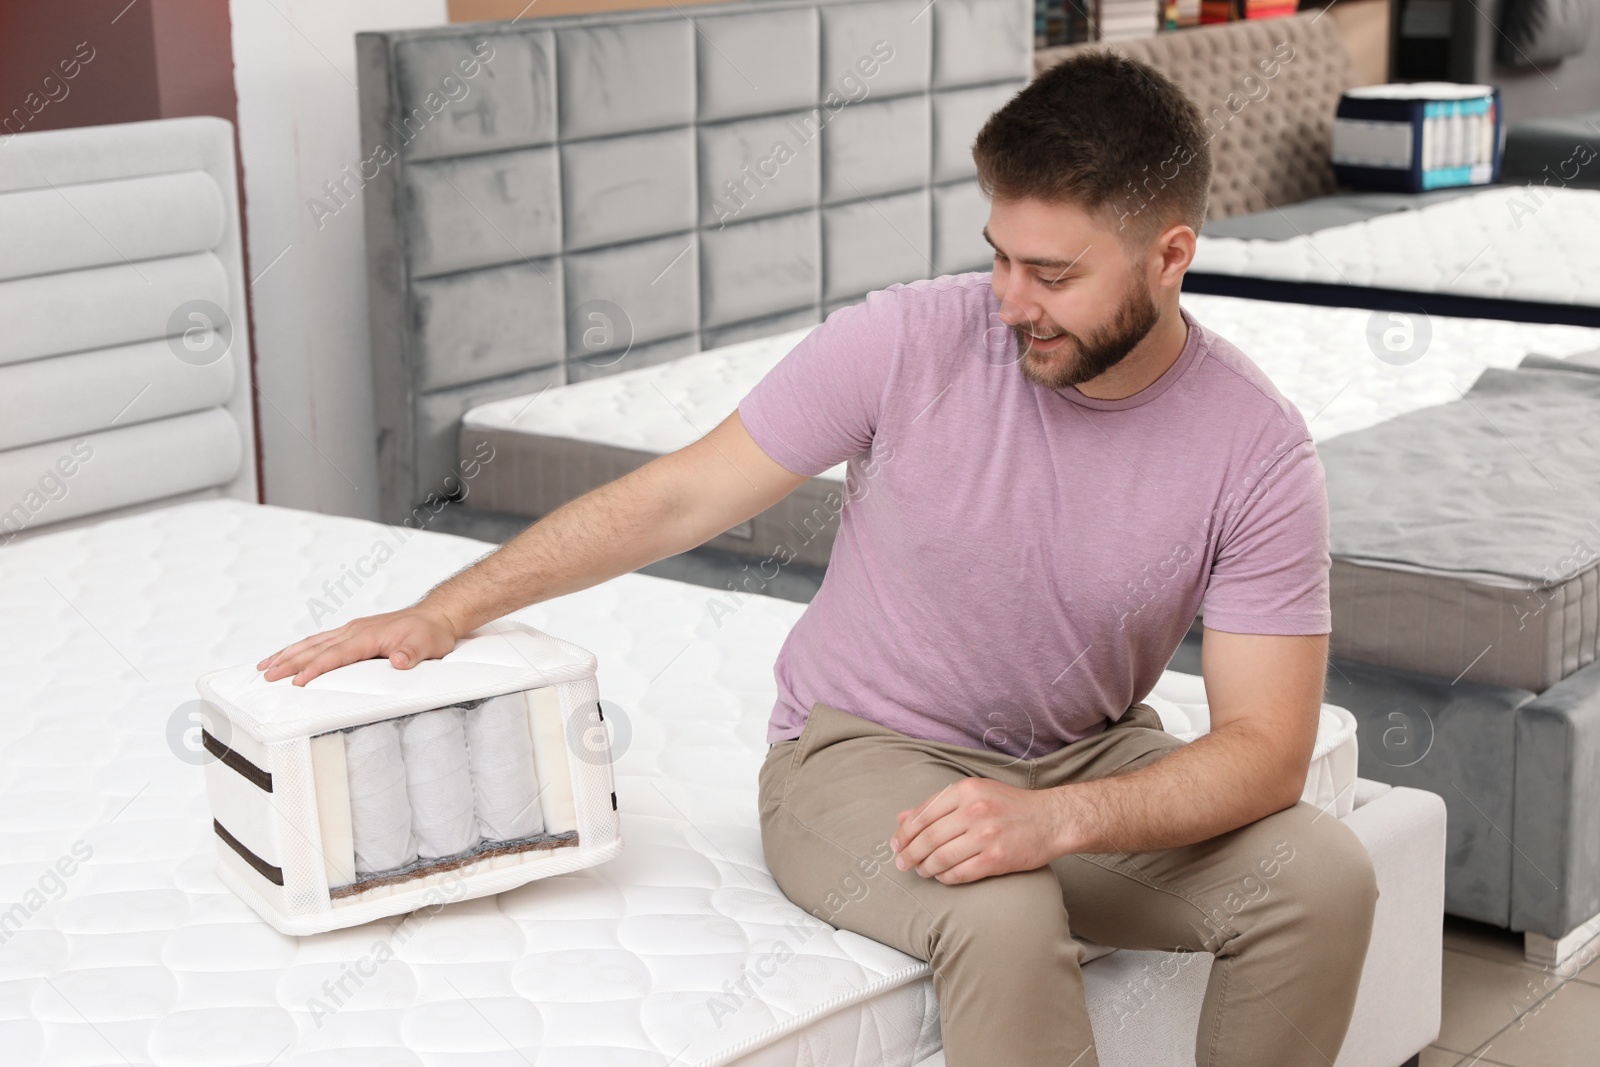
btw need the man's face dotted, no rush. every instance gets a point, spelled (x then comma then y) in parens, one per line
(1068, 288)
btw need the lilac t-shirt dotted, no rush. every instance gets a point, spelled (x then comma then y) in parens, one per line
(1015, 565)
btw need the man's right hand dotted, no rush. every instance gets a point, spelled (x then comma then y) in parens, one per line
(405, 638)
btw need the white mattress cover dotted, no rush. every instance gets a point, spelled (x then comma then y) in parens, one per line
(498, 659)
(1318, 357)
(142, 956)
(1504, 243)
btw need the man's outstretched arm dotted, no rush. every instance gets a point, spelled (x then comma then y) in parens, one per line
(669, 505)
(1265, 693)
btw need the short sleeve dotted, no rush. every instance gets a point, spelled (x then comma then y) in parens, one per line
(1270, 573)
(822, 402)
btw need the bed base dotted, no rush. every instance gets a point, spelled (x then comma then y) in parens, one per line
(1397, 1010)
(1520, 776)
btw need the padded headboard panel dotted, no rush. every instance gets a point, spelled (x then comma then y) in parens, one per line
(1268, 89)
(124, 354)
(562, 198)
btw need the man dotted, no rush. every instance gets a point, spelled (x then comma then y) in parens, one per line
(1052, 469)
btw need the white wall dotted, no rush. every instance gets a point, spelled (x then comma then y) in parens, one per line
(295, 72)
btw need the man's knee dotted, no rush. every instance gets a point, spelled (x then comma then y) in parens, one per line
(1013, 917)
(1339, 876)
(1308, 877)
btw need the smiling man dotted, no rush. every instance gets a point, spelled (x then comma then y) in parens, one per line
(1053, 468)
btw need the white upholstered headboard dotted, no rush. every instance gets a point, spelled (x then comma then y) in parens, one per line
(124, 350)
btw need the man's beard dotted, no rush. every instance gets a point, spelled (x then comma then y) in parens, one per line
(1104, 349)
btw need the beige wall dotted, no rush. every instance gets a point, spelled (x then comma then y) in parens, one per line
(1364, 26)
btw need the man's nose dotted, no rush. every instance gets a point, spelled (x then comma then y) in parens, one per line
(1013, 311)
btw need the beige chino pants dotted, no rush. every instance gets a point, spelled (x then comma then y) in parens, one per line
(1284, 904)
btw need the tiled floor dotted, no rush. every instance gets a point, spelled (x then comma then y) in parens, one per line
(1502, 1011)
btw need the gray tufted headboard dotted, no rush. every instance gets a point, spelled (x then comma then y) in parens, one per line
(124, 354)
(1268, 89)
(557, 199)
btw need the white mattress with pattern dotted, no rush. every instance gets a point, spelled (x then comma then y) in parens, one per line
(120, 943)
(1498, 248)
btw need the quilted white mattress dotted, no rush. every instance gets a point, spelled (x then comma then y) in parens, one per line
(118, 943)
(1319, 357)
(1505, 243)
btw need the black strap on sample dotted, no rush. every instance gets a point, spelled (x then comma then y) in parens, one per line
(245, 769)
(262, 867)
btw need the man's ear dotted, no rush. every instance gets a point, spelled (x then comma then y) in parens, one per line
(1170, 255)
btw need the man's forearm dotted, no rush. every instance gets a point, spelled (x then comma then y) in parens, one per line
(1219, 782)
(616, 528)
(669, 505)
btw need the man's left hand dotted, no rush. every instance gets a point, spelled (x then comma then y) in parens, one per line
(976, 828)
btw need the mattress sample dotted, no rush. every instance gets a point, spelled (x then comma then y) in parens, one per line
(371, 791)
(682, 949)
(1486, 254)
(1463, 535)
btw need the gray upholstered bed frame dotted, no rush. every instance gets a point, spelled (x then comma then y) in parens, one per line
(554, 199)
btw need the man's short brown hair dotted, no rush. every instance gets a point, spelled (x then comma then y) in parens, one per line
(1107, 133)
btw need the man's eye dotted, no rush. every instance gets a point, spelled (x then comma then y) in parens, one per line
(1054, 283)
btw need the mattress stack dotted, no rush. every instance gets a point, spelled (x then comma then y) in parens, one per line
(1416, 137)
